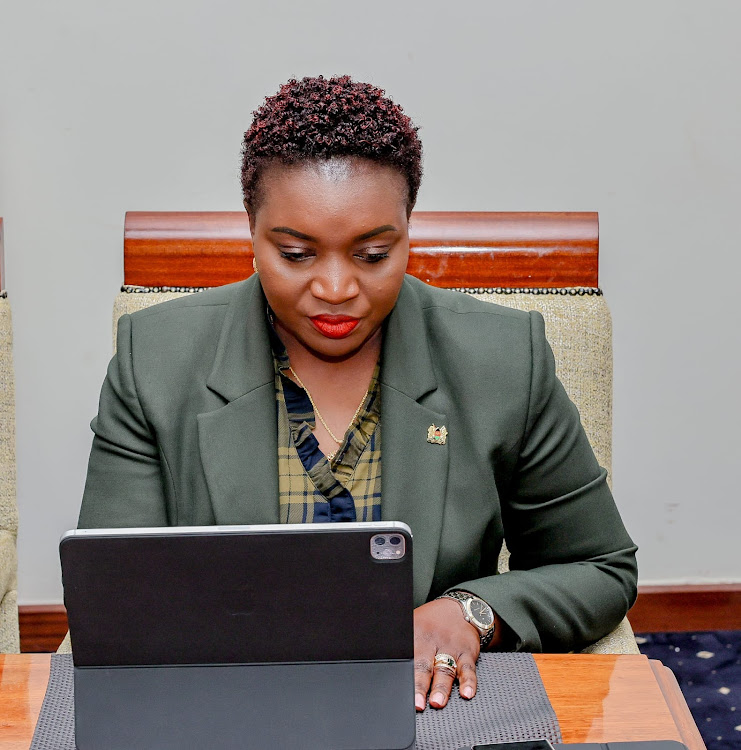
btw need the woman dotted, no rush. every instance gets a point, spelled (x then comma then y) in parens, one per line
(329, 386)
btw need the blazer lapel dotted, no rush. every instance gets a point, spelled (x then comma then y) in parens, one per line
(415, 472)
(239, 441)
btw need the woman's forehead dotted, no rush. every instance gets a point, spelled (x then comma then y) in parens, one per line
(346, 190)
(338, 169)
(335, 169)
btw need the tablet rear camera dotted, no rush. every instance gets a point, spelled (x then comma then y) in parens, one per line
(387, 547)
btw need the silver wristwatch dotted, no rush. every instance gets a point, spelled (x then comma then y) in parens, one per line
(477, 612)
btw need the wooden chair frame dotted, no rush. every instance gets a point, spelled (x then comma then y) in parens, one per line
(448, 249)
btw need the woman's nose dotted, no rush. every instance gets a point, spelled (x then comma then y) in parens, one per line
(335, 282)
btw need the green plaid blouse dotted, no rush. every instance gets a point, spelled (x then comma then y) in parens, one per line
(311, 488)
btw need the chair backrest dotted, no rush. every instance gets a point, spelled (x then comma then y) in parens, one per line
(9, 642)
(535, 261)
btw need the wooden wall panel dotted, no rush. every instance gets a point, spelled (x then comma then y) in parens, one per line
(687, 608)
(42, 627)
(658, 609)
(449, 249)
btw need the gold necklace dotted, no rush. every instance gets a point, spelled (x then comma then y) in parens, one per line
(334, 437)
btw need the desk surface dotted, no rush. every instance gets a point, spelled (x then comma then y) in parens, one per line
(596, 698)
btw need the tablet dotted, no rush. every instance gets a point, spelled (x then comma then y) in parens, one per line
(242, 636)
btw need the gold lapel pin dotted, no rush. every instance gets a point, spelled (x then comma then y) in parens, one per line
(437, 435)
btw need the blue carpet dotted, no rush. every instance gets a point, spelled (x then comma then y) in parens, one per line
(708, 669)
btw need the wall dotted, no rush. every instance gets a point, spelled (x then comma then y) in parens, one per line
(629, 108)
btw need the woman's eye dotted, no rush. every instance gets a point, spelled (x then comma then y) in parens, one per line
(295, 255)
(373, 257)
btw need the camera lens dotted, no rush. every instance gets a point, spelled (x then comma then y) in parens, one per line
(395, 540)
(380, 540)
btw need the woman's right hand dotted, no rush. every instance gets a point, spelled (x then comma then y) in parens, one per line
(439, 628)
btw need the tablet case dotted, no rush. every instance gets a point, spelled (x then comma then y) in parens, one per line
(636, 745)
(240, 637)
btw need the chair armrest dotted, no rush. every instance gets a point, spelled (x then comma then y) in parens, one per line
(65, 647)
(9, 641)
(620, 641)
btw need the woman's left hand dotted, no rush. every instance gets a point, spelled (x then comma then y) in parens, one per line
(439, 628)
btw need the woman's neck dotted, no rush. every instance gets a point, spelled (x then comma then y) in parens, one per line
(351, 372)
(336, 388)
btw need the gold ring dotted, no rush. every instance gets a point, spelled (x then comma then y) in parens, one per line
(446, 663)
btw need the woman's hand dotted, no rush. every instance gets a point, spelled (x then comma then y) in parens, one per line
(439, 628)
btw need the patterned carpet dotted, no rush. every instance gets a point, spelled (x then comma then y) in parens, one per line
(708, 669)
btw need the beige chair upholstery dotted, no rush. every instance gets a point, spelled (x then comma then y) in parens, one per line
(579, 329)
(9, 642)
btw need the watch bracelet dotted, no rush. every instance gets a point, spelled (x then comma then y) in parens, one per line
(461, 597)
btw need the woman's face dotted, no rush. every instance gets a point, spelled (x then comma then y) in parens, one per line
(331, 244)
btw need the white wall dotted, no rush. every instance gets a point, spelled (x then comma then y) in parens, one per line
(630, 108)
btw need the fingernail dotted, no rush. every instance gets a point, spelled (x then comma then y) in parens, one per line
(467, 692)
(437, 698)
(419, 702)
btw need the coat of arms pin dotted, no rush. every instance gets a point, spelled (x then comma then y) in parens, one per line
(437, 435)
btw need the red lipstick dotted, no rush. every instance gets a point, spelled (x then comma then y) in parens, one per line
(334, 326)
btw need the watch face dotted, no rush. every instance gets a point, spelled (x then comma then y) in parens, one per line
(481, 612)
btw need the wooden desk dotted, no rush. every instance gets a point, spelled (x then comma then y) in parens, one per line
(596, 698)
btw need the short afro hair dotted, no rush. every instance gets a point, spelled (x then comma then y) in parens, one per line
(322, 118)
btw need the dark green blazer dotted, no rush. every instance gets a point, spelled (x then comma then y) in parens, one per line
(186, 434)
